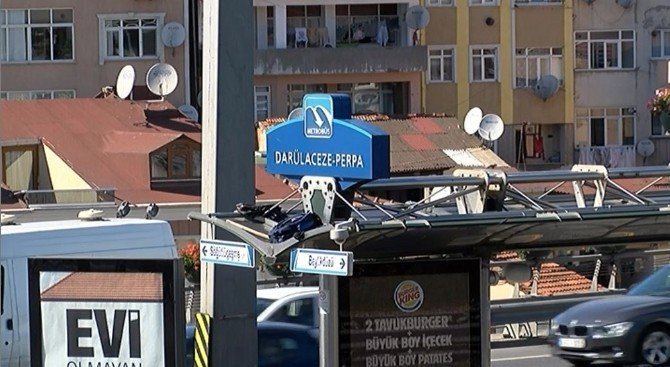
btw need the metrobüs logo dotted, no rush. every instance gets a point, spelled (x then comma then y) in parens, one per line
(318, 122)
(408, 296)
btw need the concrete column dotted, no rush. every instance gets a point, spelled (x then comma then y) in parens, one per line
(261, 27)
(280, 26)
(228, 151)
(331, 24)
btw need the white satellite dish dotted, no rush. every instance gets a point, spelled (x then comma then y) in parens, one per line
(199, 98)
(162, 79)
(491, 127)
(296, 114)
(173, 34)
(472, 120)
(546, 86)
(189, 111)
(125, 81)
(417, 17)
(645, 148)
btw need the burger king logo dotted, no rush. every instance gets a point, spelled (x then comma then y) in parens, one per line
(408, 296)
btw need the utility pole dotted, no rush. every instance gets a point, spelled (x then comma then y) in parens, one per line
(228, 293)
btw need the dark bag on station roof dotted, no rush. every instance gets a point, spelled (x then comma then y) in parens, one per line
(294, 226)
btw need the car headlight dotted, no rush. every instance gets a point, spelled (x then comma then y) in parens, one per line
(611, 331)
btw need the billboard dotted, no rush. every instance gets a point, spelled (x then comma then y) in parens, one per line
(95, 316)
(424, 313)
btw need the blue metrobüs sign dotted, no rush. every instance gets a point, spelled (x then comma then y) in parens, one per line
(327, 142)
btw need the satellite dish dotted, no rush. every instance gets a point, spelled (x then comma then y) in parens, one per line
(199, 98)
(125, 81)
(417, 17)
(162, 79)
(173, 34)
(491, 127)
(645, 148)
(189, 111)
(625, 3)
(546, 86)
(472, 120)
(296, 114)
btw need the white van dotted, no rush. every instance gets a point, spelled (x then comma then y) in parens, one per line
(108, 238)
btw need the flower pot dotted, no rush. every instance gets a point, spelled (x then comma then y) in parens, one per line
(665, 121)
(193, 277)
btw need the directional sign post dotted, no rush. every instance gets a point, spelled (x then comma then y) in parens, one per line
(322, 262)
(227, 253)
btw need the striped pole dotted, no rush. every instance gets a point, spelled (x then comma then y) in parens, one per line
(201, 355)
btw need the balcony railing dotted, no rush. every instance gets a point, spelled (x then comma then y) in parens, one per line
(65, 197)
(323, 60)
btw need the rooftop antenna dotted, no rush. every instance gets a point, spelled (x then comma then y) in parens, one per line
(162, 79)
(491, 128)
(472, 120)
(125, 81)
(189, 111)
(173, 35)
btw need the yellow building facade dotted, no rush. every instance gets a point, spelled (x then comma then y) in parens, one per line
(490, 54)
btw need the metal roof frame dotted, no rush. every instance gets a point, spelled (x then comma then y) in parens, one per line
(524, 222)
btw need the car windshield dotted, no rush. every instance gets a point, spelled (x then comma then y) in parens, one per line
(657, 284)
(262, 304)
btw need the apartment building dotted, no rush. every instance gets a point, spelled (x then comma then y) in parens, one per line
(359, 47)
(622, 50)
(608, 56)
(74, 48)
(490, 54)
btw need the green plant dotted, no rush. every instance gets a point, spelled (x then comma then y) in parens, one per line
(190, 254)
(660, 103)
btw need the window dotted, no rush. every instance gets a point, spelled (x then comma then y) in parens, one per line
(36, 35)
(533, 63)
(440, 3)
(657, 127)
(20, 166)
(608, 126)
(534, 2)
(271, 26)
(360, 24)
(660, 43)
(483, 2)
(609, 50)
(179, 160)
(441, 64)
(306, 17)
(375, 97)
(300, 311)
(297, 91)
(262, 102)
(37, 94)
(124, 37)
(484, 64)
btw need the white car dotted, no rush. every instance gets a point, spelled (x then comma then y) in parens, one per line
(296, 305)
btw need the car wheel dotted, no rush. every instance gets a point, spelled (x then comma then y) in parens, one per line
(655, 347)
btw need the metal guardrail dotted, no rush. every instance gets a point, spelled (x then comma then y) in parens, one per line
(61, 197)
(533, 309)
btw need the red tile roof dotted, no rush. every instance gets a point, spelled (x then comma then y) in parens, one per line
(107, 286)
(108, 141)
(554, 278)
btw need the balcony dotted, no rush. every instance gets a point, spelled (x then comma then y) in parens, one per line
(371, 59)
